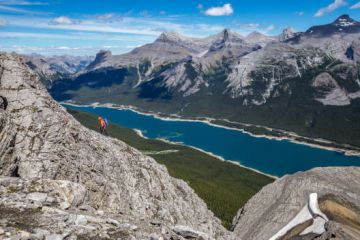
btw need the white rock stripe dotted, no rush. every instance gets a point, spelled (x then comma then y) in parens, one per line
(310, 211)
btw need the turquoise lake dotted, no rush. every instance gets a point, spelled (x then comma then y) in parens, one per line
(269, 156)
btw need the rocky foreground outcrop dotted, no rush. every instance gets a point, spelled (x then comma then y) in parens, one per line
(60, 180)
(71, 181)
(277, 204)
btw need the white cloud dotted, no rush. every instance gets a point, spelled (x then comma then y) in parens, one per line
(355, 6)
(301, 13)
(63, 21)
(330, 8)
(13, 9)
(21, 2)
(51, 50)
(3, 22)
(10, 6)
(252, 25)
(73, 36)
(225, 10)
(247, 28)
(106, 16)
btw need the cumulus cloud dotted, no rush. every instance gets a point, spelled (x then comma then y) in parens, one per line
(63, 21)
(330, 8)
(3, 22)
(225, 10)
(355, 6)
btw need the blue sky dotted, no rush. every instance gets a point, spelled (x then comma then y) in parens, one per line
(82, 27)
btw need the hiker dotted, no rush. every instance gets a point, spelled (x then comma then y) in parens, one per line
(103, 125)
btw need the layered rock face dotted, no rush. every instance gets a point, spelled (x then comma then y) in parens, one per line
(278, 203)
(57, 171)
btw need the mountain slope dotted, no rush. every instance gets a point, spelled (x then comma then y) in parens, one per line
(101, 174)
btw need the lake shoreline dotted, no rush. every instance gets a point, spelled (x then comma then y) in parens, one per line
(220, 158)
(290, 136)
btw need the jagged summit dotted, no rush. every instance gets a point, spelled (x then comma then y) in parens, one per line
(255, 33)
(172, 36)
(342, 25)
(228, 35)
(100, 57)
(344, 21)
(287, 33)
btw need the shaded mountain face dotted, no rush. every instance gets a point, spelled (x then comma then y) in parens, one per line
(312, 76)
(100, 57)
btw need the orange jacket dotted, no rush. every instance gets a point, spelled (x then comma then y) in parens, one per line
(102, 122)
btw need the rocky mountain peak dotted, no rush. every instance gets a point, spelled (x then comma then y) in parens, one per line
(342, 25)
(257, 37)
(225, 34)
(228, 35)
(256, 33)
(171, 37)
(344, 21)
(287, 33)
(101, 56)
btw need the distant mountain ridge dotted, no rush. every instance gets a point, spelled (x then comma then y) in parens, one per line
(311, 76)
(51, 68)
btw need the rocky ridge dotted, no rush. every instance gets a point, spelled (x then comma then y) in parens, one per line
(75, 181)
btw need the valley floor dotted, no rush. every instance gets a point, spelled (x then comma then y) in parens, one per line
(224, 187)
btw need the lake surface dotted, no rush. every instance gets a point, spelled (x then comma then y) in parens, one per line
(269, 156)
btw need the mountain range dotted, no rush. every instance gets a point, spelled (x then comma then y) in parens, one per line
(302, 82)
(56, 67)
